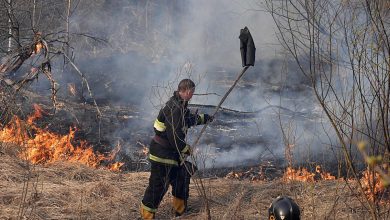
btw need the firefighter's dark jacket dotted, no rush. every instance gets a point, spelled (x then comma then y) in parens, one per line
(171, 126)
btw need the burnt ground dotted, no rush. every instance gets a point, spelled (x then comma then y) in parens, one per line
(240, 136)
(131, 128)
(72, 191)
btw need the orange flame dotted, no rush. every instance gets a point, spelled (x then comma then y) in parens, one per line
(145, 150)
(372, 184)
(42, 147)
(324, 175)
(304, 175)
(37, 47)
(38, 113)
(115, 166)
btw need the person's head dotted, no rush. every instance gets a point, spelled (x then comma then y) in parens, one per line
(284, 208)
(186, 89)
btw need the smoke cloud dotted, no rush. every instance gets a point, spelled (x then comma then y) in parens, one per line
(152, 47)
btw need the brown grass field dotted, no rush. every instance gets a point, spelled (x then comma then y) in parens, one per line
(65, 190)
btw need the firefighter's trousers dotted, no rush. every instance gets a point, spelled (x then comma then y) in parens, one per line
(161, 176)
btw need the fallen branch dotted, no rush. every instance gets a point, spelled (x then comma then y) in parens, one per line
(248, 112)
(86, 83)
(13, 61)
(211, 93)
(99, 114)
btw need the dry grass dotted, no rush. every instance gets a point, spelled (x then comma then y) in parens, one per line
(73, 191)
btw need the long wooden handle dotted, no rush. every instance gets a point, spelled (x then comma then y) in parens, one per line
(219, 105)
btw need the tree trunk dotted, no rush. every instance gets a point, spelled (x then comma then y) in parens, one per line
(67, 27)
(33, 15)
(9, 26)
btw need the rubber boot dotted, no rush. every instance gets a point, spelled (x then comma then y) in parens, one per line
(179, 205)
(145, 214)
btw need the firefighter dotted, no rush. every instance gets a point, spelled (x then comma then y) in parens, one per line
(168, 150)
(284, 208)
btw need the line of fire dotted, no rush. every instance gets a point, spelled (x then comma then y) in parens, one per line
(289, 120)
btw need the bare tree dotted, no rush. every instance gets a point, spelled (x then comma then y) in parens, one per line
(343, 48)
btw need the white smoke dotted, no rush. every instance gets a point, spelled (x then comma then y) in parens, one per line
(142, 68)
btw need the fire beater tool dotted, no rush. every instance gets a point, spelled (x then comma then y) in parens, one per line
(248, 51)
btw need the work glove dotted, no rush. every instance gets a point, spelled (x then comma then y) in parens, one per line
(185, 154)
(208, 118)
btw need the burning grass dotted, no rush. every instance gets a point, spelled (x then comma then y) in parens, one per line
(40, 146)
(302, 174)
(371, 181)
(374, 187)
(72, 188)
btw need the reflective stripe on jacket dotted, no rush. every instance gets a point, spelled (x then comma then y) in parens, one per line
(171, 124)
